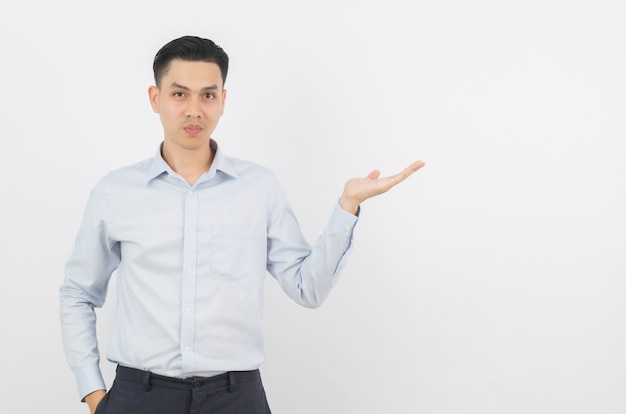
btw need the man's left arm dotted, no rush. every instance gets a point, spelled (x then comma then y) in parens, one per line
(307, 274)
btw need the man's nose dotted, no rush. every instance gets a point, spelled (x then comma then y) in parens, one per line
(194, 109)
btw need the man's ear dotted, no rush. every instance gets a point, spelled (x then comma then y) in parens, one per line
(153, 95)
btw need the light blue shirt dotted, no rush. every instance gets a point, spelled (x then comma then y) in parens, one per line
(191, 262)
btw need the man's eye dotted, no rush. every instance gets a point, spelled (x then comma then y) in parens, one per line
(179, 94)
(209, 96)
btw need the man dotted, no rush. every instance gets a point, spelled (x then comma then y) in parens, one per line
(191, 233)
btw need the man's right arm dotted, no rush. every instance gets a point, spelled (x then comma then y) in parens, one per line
(84, 288)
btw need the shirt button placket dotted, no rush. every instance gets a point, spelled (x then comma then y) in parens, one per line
(190, 242)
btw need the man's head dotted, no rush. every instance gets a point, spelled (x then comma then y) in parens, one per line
(189, 48)
(189, 95)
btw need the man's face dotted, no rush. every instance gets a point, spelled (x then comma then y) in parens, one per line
(190, 102)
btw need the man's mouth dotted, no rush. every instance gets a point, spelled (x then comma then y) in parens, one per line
(192, 129)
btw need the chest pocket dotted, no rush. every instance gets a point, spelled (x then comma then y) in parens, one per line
(232, 250)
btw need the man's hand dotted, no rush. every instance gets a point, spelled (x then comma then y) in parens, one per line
(94, 399)
(357, 190)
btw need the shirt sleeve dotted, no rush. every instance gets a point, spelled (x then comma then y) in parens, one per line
(87, 275)
(305, 273)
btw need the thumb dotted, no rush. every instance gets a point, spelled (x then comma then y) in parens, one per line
(374, 174)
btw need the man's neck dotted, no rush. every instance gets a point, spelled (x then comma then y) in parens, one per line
(188, 163)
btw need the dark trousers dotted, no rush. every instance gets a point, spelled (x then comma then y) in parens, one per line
(140, 392)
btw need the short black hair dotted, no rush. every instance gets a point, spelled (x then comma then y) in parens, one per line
(190, 48)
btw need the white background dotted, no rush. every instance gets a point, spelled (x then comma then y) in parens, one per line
(493, 281)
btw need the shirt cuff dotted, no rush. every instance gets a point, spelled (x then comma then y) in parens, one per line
(342, 222)
(88, 380)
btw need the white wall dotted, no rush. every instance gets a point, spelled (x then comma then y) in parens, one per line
(491, 282)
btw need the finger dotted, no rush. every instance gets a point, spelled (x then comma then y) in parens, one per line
(415, 166)
(397, 178)
(411, 169)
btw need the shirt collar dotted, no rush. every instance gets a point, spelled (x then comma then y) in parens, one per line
(221, 162)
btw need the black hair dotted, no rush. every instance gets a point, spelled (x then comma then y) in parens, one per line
(190, 48)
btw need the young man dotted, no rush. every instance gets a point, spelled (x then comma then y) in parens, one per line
(191, 233)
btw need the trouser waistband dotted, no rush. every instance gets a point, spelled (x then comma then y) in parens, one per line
(148, 379)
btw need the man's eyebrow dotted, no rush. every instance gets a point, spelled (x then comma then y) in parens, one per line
(175, 85)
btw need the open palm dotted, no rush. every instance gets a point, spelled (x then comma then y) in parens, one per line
(357, 190)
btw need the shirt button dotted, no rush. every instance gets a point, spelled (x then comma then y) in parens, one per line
(190, 231)
(189, 270)
(186, 348)
(190, 194)
(187, 309)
